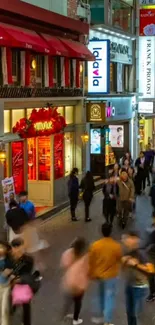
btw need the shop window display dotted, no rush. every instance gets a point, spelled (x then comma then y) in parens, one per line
(44, 158)
(17, 114)
(122, 15)
(60, 110)
(58, 156)
(18, 165)
(6, 121)
(69, 151)
(31, 146)
(69, 114)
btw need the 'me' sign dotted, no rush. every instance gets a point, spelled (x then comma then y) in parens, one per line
(99, 70)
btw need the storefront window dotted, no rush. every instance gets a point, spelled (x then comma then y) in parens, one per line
(29, 111)
(17, 114)
(58, 156)
(122, 15)
(18, 165)
(69, 114)
(6, 121)
(7, 160)
(69, 152)
(44, 158)
(61, 110)
(31, 146)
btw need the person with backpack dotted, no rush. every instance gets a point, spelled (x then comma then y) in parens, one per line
(73, 192)
(88, 187)
(75, 264)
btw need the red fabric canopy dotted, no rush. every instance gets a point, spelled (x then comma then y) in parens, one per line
(56, 46)
(78, 50)
(17, 37)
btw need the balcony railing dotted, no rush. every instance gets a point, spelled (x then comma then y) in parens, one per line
(26, 92)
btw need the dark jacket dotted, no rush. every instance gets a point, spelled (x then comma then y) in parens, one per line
(109, 204)
(73, 187)
(16, 218)
(23, 266)
(87, 185)
(140, 169)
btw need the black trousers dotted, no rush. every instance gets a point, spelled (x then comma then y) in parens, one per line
(152, 284)
(73, 205)
(86, 211)
(77, 301)
(21, 316)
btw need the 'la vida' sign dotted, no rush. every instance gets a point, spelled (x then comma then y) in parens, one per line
(99, 70)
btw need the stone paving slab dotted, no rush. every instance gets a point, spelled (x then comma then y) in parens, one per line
(60, 232)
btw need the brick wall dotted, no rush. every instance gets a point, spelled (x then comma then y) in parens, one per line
(72, 8)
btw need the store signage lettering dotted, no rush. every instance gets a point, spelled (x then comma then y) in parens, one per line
(41, 126)
(99, 70)
(145, 107)
(110, 111)
(119, 48)
(147, 2)
(146, 66)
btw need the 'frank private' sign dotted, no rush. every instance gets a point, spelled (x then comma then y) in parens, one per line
(99, 70)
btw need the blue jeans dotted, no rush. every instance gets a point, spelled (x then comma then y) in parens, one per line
(107, 297)
(135, 297)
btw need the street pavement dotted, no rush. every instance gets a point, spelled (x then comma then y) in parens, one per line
(60, 232)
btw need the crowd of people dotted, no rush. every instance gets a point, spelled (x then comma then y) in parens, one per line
(106, 259)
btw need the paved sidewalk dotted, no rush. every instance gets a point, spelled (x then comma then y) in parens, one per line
(61, 231)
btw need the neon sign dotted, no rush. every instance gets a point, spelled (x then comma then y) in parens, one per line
(41, 126)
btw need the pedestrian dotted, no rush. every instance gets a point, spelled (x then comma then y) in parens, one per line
(126, 196)
(116, 170)
(105, 261)
(150, 248)
(27, 205)
(152, 195)
(149, 155)
(73, 192)
(75, 264)
(137, 269)
(142, 170)
(16, 218)
(110, 193)
(126, 165)
(88, 187)
(21, 274)
(5, 271)
(127, 156)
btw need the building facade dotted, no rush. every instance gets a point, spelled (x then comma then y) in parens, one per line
(41, 75)
(111, 82)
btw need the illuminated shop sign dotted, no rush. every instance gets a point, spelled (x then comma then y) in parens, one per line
(145, 107)
(146, 66)
(99, 70)
(110, 111)
(41, 126)
(147, 22)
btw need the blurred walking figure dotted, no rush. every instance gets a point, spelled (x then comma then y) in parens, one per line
(16, 218)
(88, 187)
(75, 264)
(110, 193)
(27, 205)
(152, 195)
(105, 261)
(137, 269)
(73, 192)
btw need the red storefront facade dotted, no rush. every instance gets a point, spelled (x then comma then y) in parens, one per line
(41, 67)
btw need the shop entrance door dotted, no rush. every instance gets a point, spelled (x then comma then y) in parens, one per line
(40, 171)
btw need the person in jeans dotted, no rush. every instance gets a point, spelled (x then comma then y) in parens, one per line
(137, 269)
(104, 262)
(75, 264)
(73, 192)
(88, 187)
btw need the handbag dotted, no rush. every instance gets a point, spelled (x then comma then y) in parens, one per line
(21, 294)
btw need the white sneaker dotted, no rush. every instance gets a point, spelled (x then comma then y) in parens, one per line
(77, 322)
(70, 316)
(97, 320)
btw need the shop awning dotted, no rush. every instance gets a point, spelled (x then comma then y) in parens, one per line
(56, 46)
(78, 50)
(22, 38)
(10, 137)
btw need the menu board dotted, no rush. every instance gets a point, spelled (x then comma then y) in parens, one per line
(58, 156)
(8, 191)
(18, 165)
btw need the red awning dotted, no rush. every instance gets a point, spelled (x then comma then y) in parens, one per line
(78, 50)
(56, 46)
(22, 38)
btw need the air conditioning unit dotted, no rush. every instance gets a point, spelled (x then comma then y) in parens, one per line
(83, 11)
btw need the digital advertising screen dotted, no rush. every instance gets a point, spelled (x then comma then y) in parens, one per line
(116, 136)
(95, 141)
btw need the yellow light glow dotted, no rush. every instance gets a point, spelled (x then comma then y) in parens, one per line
(85, 137)
(41, 126)
(148, 7)
(2, 155)
(34, 64)
(81, 68)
